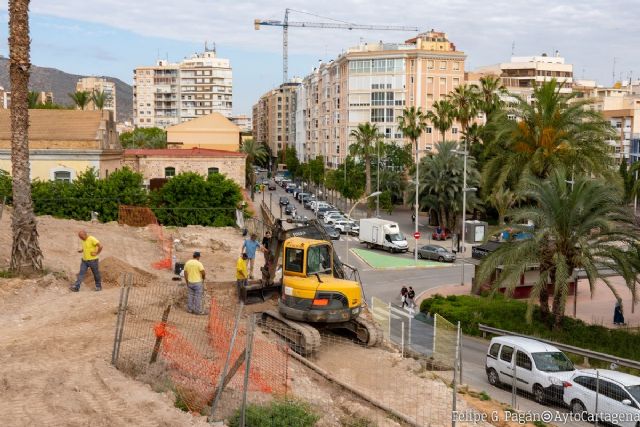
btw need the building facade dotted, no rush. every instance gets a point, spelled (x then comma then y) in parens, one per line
(171, 93)
(368, 83)
(99, 84)
(244, 122)
(213, 131)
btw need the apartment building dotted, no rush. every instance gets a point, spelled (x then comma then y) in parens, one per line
(374, 83)
(170, 93)
(274, 117)
(244, 122)
(99, 84)
(5, 98)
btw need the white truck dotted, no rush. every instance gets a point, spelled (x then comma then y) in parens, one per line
(384, 234)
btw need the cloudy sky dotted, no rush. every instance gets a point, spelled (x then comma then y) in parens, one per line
(111, 37)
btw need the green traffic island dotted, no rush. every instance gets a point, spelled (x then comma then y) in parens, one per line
(379, 260)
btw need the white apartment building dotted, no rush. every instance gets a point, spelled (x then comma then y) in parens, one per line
(99, 84)
(171, 93)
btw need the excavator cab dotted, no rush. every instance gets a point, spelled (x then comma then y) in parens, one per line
(310, 292)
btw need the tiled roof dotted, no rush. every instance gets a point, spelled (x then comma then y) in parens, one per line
(52, 125)
(177, 152)
(214, 122)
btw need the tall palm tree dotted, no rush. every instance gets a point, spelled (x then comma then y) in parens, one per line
(80, 98)
(99, 99)
(465, 100)
(366, 135)
(556, 130)
(255, 152)
(412, 123)
(502, 200)
(26, 255)
(33, 99)
(490, 90)
(442, 116)
(585, 227)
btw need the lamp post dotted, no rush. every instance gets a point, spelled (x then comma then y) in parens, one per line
(417, 202)
(374, 194)
(378, 180)
(464, 153)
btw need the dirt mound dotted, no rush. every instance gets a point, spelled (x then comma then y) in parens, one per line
(112, 269)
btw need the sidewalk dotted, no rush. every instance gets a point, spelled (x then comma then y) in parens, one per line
(596, 310)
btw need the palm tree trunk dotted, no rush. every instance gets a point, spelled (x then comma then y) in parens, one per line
(558, 310)
(443, 135)
(26, 255)
(367, 170)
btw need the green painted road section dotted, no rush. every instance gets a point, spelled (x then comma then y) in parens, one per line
(377, 259)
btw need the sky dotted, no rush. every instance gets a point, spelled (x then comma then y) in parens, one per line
(112, 37)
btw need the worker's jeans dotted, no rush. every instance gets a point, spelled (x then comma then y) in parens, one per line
(194, 297)
(240, 283)
(84, 266)
(251, 263)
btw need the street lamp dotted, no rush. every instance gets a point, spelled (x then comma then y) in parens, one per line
(417, 202)
(378, 179)
(374, 194)
(464, 153)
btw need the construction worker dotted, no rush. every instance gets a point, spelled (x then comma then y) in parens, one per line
(241, 272)
(250, 246)
(194, 275)
(91, 248)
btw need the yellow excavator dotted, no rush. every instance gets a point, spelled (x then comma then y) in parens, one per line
(316, 292)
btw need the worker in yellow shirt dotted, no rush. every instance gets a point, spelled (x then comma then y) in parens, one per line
(242, 274)
(91, 248)
(194, 275)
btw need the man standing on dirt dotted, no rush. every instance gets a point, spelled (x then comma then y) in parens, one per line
(249, 247)
(241, 272)
(194, 275)
(91, 248)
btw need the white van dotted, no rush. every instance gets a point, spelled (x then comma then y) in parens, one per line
(381, 233)
(540, 369)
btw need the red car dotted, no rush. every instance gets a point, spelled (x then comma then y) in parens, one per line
(441, 234)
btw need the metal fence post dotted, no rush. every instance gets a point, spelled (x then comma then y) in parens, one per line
(454, 384)
(514, 392)
(247, 368)
(409, 331)
(597, 395)
(402, 338)
(389, 322)
(435, 331)
(460, 355)
(127, 281)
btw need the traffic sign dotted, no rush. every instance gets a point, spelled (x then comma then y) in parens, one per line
(416, 235)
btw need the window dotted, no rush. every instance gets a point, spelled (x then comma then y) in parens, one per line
(456, 81)
(553, 361)
(430, 80)
(429, 130)
(318, 260)
(587, 382)
(454, 131)
(456, 66)
(377, 115)
(293, 260)
(523, 361)
(62, 176)
(443, 81)
(430, 64)
(443, 65)
(211, 171)
(507, 353)
(169, 172)
(494, 350)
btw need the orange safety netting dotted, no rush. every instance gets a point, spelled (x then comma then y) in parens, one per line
(139, 216)
(195, 372)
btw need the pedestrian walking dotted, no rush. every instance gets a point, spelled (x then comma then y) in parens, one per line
(194, 276)
(618, 315)
(403, 296)
(91, 248)
(411, 294)
(241, 273)
(250, 246)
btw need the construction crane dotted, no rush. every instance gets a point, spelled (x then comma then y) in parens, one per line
(334, 25)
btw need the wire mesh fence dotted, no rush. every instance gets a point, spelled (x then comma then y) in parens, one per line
(140, 216)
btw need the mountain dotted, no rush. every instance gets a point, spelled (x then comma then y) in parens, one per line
(61, 83)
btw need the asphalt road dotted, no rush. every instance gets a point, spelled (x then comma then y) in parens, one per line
(386, 285)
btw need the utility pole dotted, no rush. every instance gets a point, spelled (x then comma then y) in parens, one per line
(378, 184)
(464, 204)
(415, 252)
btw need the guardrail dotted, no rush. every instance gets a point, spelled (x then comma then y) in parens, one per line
(564, 347)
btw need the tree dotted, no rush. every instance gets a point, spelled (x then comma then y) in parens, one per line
(352, 183)
(585, 227)
(412, 123)
(366, 136)
(255, 152)
(442, 181)
(465, 100)
(144, 138)
(33, 99)
(289, 156)
(556, 130)
(99, 99)
(502, 200)
(442, 115)
(26, 255)
(490, 91)
(628, 178)
(80, 98)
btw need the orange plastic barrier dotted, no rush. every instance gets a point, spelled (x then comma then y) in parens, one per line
(139, 216)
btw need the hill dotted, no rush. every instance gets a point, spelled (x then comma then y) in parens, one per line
(61, 83)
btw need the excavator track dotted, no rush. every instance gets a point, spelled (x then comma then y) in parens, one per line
(304, 339)
(373, 331)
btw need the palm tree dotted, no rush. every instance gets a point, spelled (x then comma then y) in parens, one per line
(412, 123)
(441, 183)
(33, 99)
(26, 255)
(255, 152)
(366, 136)
(442, 115)
(465, 100)
(99, 99)
(502, 200)
(80, 98)
(555, 131)
(490, 91)
(585, 227)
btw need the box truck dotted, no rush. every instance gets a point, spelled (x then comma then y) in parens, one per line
(384, 234)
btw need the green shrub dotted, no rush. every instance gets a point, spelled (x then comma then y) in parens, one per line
(5, 185)
(278, 413)
(509, 314)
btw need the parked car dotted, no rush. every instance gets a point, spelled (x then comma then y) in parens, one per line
(436, 252)
(307, 202)
(343, 226)
(265, 182)
(332, 232)
(330, 218)
(540, 368)
(291, 187)
(618, 396)
(272, 186)
(284, 200)
(441, 233)
(320, 213)
(288, 210)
